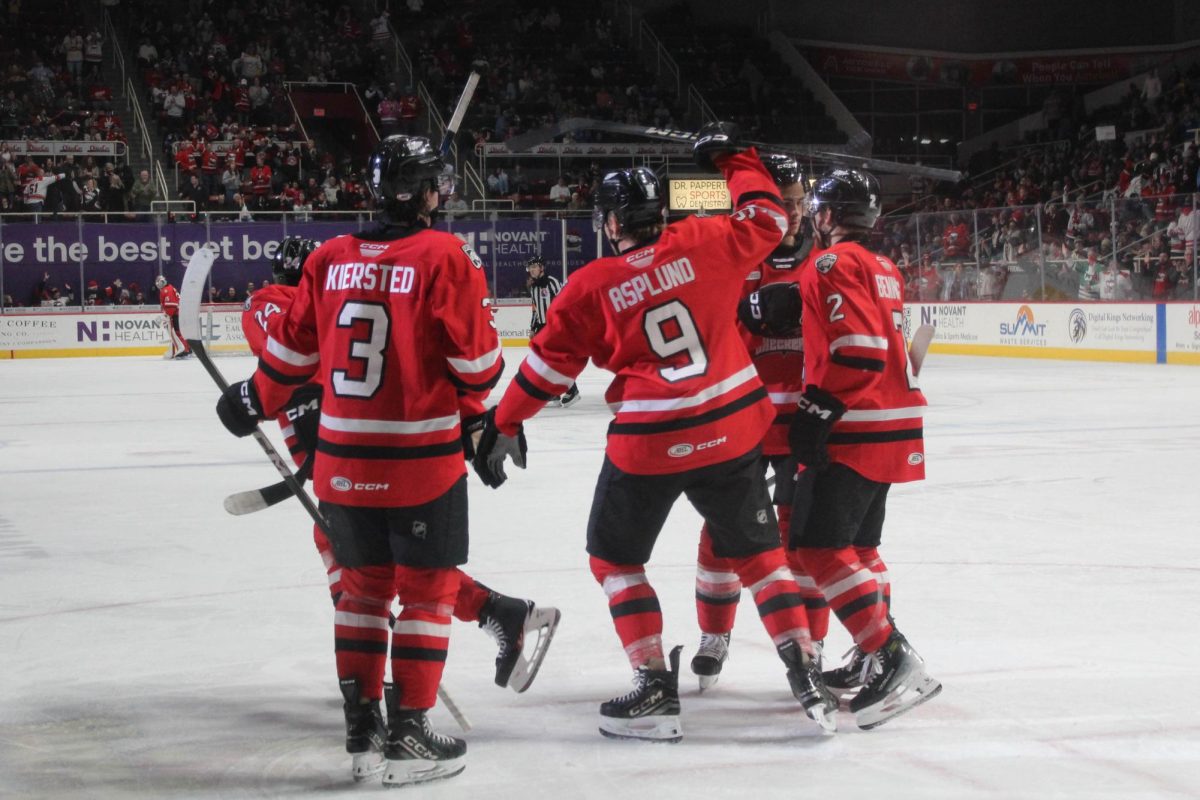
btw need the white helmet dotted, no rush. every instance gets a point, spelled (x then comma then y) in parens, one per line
(160, 281)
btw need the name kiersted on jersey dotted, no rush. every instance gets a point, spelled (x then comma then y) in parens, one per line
(660, 279)
(390, 278)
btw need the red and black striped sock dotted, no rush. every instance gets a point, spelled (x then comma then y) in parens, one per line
(421, 635)
(718, 588)
(360, 627)
(634, 606)
(852, 593)
(779, 603)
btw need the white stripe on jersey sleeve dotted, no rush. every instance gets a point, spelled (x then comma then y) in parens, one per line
(468, 366)
(291, 356)
(546, 371)
(858, 340)
(346, 425)
(675, 403)
(779, 398)
(884, 414)
(780, 220)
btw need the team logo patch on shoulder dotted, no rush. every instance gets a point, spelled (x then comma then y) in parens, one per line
(825, 262)
(371, 250)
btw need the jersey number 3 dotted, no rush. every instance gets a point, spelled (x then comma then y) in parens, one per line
(671, 330)
(365, 374)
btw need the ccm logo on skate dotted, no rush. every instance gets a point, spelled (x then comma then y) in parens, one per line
(683, 450)
(915, 458)
(345, 485)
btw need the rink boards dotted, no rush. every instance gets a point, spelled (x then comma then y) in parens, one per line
(1162, 333)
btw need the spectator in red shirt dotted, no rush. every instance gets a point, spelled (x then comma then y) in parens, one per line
(260, 177)
(955, 238)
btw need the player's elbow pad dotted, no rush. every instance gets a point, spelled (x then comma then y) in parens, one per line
(773, 310)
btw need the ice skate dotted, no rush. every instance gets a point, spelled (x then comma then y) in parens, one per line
(899, 684)
(712, 655)
(854, 672)
(416, 754)
(570, 397)
(804, 676)
(650, 711)
(514, 624)
(365, 732)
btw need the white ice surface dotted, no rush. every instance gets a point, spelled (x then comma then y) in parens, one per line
(152, 646)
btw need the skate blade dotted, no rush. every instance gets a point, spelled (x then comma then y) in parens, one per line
(664, 729)
(541, 623)
(365, 766)
(708, 681)
(906, 698)
(411, 772)
(568, 403)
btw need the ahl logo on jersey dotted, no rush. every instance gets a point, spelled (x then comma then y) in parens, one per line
(825, 262)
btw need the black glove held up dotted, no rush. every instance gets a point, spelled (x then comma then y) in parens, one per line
(773, 310)
(239, 408)
(810, 428)
(714, 139)
(494, 447)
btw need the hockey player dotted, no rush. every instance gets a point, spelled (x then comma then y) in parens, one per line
(779, 358)
(690, 415)
(395, 322)
(856, 430)
(543, 289)
(168, 301)
(505, 618)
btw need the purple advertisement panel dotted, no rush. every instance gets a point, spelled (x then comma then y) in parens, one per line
(111, 260)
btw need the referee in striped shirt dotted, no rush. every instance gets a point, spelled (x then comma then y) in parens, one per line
(542, 291)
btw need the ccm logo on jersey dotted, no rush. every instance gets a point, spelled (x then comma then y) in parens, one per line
(346, 485)
(684, 449)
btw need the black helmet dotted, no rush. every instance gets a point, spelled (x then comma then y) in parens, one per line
(784, 169)
(633, 195)
(400, 169)
(288, 262)
(535, 260)
(852, 194)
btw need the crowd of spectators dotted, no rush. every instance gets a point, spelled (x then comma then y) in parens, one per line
(214, 74)
(52, 89)
(1043, 207)
(52, 293)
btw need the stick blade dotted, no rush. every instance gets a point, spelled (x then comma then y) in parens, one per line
(192, 292)
(254, 500)
(919, 345)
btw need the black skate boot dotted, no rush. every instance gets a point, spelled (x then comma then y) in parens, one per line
(712, 655)
(851, 675)
(570, 397)
(508, 620)
(365, 732)
(650, 711)
(804, 676)
(899, 683)
(416, 754)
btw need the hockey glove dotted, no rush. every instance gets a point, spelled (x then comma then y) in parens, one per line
(472, 429)
(715, 139)
(494, 447)
(774, 310)
(303, 411)
(810, 428)
(239, 408)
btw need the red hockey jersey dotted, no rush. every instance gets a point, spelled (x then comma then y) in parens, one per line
(662, 317)
(779, 360)
(168, 300)
(264, 307)
(400, 333)
(854, 348)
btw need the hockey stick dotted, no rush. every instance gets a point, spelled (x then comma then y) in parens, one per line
(189, 323)
(478, 70)
(538, 136)
(454, 710)
(252, 500)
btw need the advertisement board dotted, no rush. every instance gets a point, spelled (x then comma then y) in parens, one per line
(112, 333)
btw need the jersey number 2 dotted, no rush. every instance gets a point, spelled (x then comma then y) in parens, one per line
(366, 353)
(671, 330)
